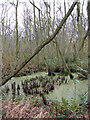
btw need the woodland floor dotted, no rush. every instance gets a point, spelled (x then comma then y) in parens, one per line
(24, 109)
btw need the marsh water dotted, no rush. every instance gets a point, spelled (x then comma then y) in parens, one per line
(69, 91)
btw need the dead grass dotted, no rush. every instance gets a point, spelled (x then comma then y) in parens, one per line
(24, 110)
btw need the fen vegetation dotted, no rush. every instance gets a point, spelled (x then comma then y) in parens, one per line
(49, 37)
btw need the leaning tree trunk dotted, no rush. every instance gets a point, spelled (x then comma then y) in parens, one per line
(39, 48)
(83, 41)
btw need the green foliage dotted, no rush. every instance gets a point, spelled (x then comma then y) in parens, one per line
(73, 106)
(3, 97)
(43, 63)
(2, 112)
(64, 103)
(83, 100)
(65, 109)
(66, 72)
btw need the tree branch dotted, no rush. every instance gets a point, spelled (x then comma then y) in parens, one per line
(34, 5)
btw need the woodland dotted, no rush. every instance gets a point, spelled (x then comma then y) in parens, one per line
(44, 59)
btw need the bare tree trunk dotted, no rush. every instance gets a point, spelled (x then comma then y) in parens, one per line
(53, 29)
(48, 23)
(1, 51)
(36, 32)
(53, 13)
(41, 40)
(44, 35)
(83, 41)
(64, 42)
(30, 36)
(88, 10)
(17, 47)
(79, 32)
(39, 48)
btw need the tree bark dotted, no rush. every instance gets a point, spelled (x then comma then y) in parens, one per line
(17, 49)
(83, 41)
(36, 33)
(38, 49)
(88, 11)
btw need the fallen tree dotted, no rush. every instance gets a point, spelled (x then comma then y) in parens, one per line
(38, 49)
